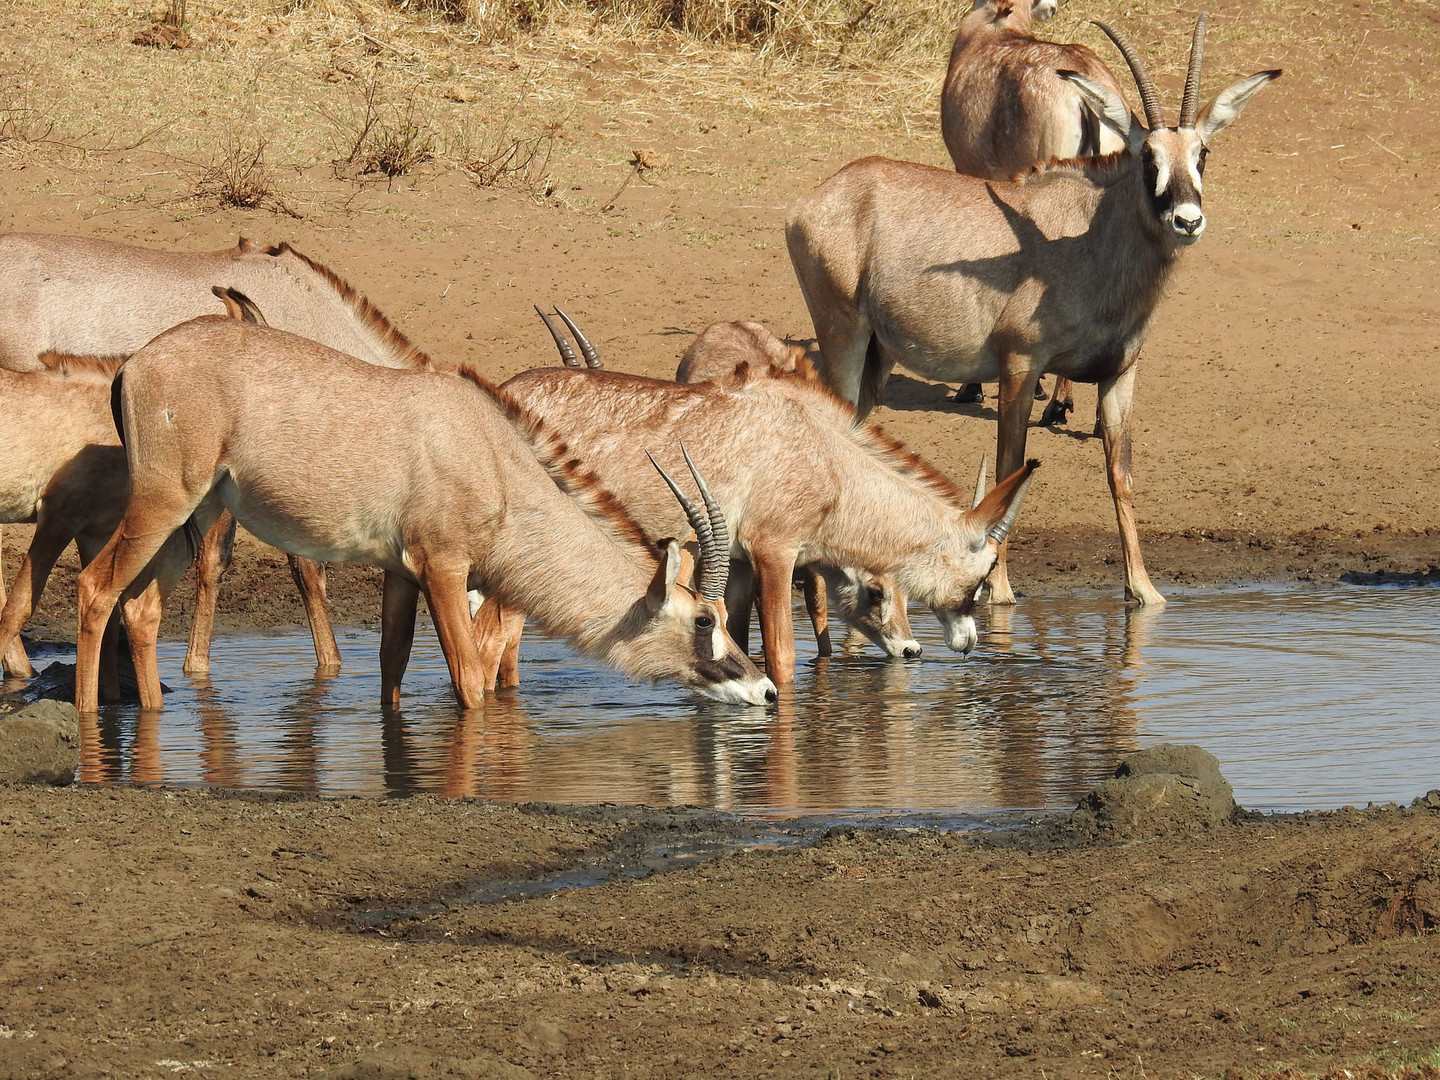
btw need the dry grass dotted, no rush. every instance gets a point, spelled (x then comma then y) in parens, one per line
(238, 178)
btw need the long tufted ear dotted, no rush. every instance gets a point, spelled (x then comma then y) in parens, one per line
(1109, 107)
(1221, 112)
(996, 514)
(657, 597)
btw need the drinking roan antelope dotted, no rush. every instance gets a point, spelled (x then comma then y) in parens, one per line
(868, 602)
(1005, 108)
(795, 476)
(434, 477)
(90, 297)
(966, 280)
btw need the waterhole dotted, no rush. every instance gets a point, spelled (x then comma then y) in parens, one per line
(1309, 697)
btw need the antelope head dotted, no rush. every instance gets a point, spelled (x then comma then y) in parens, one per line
(872, 604)
(959, 565)
(689, 623)
(1173, 159)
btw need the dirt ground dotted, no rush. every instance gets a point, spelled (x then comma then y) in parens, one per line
(1286, 429)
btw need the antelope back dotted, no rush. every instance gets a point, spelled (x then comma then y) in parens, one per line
(85, 296)
(54, 424)
(722, 347)
(1004, 108)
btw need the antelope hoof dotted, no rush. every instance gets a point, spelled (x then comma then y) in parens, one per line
(1056, 412)
(969, 394)
(1040, 394)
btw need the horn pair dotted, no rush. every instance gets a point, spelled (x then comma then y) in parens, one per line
(710, 530)
(1189, 100)
(567, 351)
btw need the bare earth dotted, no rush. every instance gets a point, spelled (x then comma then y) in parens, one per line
(1287, 429)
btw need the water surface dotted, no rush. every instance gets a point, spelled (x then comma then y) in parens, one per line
(1310, 698)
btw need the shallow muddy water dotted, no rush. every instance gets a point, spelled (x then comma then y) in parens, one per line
(1309, 697)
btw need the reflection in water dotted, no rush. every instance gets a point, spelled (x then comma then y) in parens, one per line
(1056, 691)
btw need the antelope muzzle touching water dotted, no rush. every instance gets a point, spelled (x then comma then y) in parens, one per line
(967, 280)
(434, 477)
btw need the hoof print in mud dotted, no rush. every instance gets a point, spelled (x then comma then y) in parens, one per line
(1163, 789)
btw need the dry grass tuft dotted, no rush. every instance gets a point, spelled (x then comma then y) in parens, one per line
(381, 137)
(238, 178)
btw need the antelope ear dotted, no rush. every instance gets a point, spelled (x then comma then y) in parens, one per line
(657, 597)
(997, 512)
(1108, 106)
(239, 306)
(1221, 112)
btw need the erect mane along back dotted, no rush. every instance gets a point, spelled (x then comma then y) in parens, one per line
(364, 310)
(568, 472)
(99, 370)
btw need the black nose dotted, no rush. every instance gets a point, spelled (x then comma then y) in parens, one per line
(771, 696)
(912, 651)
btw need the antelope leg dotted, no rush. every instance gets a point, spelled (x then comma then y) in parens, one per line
(739, 599)
(1115, 397)
(774, 573)
(142, 626)
(817, 607)
(310, 580)
(1017, 397)
(216, 550)
(52, 535)
(397, 634)
(445, 592)
(15, 662)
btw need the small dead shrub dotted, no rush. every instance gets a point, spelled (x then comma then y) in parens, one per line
(516, 161)
(380, 137)
(238, 178)
(169, 32)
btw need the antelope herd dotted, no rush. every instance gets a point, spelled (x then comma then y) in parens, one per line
(151, 400)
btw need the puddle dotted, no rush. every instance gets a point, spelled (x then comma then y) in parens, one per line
(1310, 698)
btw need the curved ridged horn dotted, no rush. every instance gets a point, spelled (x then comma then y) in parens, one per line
(710, 530)
(567, 353)
(592, 356)
(1154, 118)
(1190, 102)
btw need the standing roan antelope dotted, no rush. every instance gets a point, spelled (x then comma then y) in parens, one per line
(868, 602)
(89, 297)
(966, 280)
(434, 477)
(1006, 108)
(798, 480)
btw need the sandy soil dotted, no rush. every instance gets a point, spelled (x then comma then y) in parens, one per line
(1287, 420)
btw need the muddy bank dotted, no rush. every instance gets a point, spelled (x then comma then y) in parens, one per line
(154, 930)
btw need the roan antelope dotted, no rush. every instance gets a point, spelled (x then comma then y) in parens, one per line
(434, 477)
(868, 602)
(966, 280)
(796, 478)
(1006, 108)
(88, 297)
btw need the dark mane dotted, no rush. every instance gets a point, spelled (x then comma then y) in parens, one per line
(1101, 168)
(367, 312)
(569, 473)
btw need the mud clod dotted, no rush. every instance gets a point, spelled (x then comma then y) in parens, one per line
(40, 744)
(1157, 791)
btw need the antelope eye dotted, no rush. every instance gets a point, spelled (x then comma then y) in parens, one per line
(704, 622)
(874, 595)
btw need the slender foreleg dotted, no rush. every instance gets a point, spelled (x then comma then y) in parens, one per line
(817, 607)
(446, 593)
(310, 580)
(739, 600)
(53, 534)
(774, 572)
(142, 627)
(216, 550)
(397, 634)
(1017, 396)
(15, 662)
(1116, 396)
